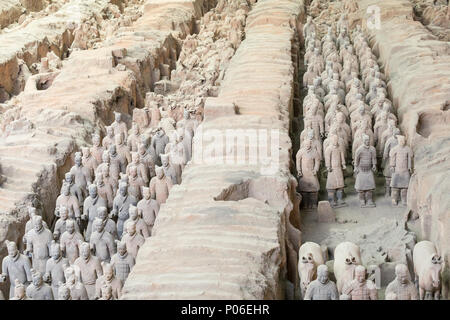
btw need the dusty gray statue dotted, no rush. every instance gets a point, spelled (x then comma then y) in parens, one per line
(141, 226)
(402, 286)
(308, 162)
(110, 225)
(38, 289)
(38, 244)
(359, 288)
(159, 141)
(122, 262)
(400, 158)
(322, 288)
(91, 204)
(82, 175)
(76, 287)
(133, 240)
(54, 270)
(102, 242)
(148, 209)
(365, 166)
(70, 241)
(122, 202)
(335, 163)
(110, 279)
(16, 267)
(90, 269)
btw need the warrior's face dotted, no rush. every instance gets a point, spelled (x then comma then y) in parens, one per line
(117, 117)
(12, 250)
(96, 140)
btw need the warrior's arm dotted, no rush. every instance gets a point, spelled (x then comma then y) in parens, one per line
(309, 292)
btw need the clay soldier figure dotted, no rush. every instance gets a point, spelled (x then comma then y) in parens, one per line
(70, 202)
(142, 169)
(108, 140)
(316, 120)
(148, 209)
(38, 289)
(16, 267)
(391, 142)
(19, 291)
(108, 278)
(122, 150)
(81, 174)
(159, 141)
(133, 138)
(322, 288)
(141, 226)
(169, 170)
(155, 115)
(105, 191)
(309, 27)
(64, 292)
(60, 226)
(402, 286)
(91, 204)
(89, 162)
(96, 149)
(119, 127)
(70, 240)
(359, 288)
(76, 287)
(365, 166)
(147, 159)
(160, 186)
(90, 269)
(109, 224)
(118, 164)
(106, 161)
(133, 240)
(74, 189)
(54, 270)
(135, 183)
(400, 158)
(122, 262)
(106, 292)
(102, 242)
(122, 202)
(29, 224)
(335, 163)
(38, 244)
(308, 162)
(109, 180)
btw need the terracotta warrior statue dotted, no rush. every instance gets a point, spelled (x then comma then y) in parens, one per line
(141, 226)
(16, 267)
(391, 142)
(118, 164)
(109, 224)
(70, 241)
(54, 270)
(135, 183)
(60, 225)
(400, 158)
(159, 141)
(365, 166)
(91, 204)
(359, 288)
(88, 161)
(148, 209)
(133, 138)
(81, 174)
(106, 292)
(160, 186)
(133, 240)
(38, 289)
(308, 162)
(335, 163)
(147, 159)
(108, 140)
(38, 244)
(119, 127)
(29, 225)
(70, 202)
(105, 190)
(322, 288)
(169, 169)
(74, 189)
(97, 149)
(102, 242)
(108, 278)
(402, 286)
(142, 168)
(90, 269)
(19, 291)
(122, 202)
(75, 286)
(122, 150)
(122, 262)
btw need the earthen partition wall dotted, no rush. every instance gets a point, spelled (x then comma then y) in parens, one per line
(224, 232)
